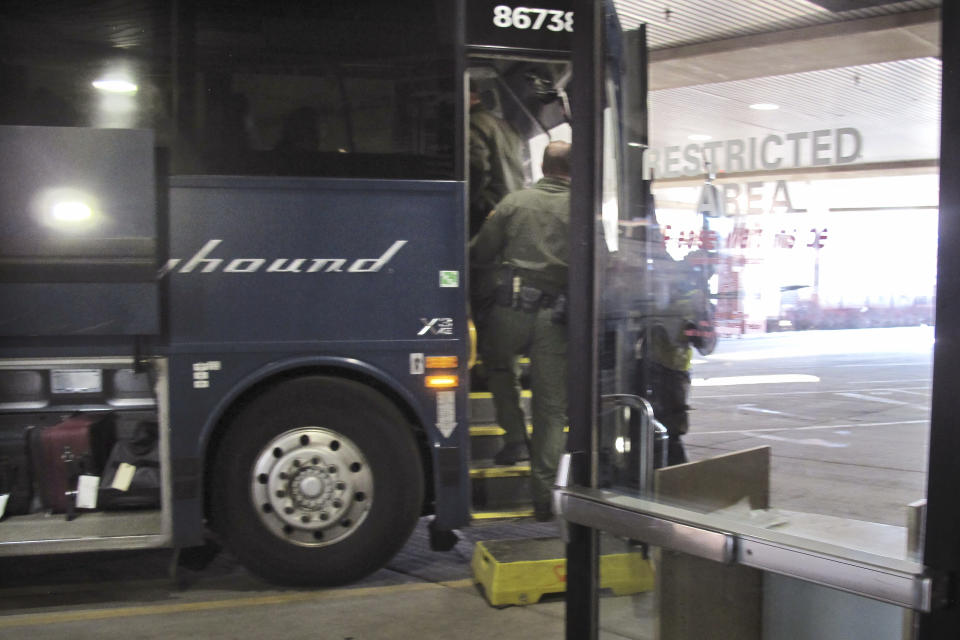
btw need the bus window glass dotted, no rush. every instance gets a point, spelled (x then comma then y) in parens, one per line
(243, 88)
(66, 65)
(287, 89)
(530, 96)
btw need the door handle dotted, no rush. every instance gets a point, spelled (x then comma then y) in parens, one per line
(900, 582)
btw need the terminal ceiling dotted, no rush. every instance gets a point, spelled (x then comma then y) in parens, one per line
(869, 64)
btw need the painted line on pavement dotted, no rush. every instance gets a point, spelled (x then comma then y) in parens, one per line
(910, 381)
(729, 381)
(925, 393)
(810, 428)
(900, 403)
(87, 615)
(926, 363)
(863, 396)
(752, 408)
(817, 442)
(701, 396)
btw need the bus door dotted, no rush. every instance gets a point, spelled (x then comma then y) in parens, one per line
(516, 107)
(812, 460)
(517, 76)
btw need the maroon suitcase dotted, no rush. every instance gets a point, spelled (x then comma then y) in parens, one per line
(62, 452)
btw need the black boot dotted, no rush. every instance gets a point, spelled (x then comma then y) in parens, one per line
(542, 512)
(512, 453)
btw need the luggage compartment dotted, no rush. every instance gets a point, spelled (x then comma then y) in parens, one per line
(16, 477)
(61, 418)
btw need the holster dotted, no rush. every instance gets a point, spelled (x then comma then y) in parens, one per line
(511, 292)
(559, 310)
(530, 299)
(504, 290)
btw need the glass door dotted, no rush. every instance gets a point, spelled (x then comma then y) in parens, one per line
(759, 411)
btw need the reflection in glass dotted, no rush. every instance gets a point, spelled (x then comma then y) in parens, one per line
(769, 292)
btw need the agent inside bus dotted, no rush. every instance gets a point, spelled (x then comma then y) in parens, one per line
(527, 232)
(496, 169)
(496, 160)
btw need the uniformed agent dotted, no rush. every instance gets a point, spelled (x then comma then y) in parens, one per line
(528, 231)
(496, 169)
(496, 161)
(664, 368)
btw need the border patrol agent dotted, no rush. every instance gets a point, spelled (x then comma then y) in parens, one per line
(496, 169)
(528, 231)
(687, 322)
(496, 162)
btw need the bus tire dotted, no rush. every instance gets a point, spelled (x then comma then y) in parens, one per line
(319, 481)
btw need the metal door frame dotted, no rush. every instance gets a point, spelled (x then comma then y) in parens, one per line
(942, 541)
(585, 200)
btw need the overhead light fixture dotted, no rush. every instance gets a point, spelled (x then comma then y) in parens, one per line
(699, 137)
(765, 106)
(66, 209)
(839, 6)
(115, 85)
(71, 211)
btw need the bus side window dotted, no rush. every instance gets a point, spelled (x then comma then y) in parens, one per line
(289, 89)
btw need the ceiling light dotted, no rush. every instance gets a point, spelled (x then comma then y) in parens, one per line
(765, 106)
(115, 85)
(71, 211)
(66, 209)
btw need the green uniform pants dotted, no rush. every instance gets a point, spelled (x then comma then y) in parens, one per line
(511, 332)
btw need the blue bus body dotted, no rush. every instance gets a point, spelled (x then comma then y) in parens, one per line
(303, 274)
(245, 223)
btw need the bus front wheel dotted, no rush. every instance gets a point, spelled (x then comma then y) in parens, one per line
(318, 482)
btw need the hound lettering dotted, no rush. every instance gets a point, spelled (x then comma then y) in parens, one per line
(202, 262)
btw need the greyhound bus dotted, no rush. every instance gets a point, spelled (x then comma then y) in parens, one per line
(233, 239)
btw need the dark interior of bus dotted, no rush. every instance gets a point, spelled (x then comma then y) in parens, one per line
(243, 88)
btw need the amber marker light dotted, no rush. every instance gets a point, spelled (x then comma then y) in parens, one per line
(442, 362)
(442, 381)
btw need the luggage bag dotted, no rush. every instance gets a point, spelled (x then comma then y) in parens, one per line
(15, 477)
(141, 451)
(62, 452)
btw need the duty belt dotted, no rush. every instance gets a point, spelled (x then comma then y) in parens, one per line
(529, 299)
(532, 299)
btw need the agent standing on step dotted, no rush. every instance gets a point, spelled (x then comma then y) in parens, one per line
(528, 231)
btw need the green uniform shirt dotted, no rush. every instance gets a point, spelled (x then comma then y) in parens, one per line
(496, 163)
(528, 231)
(669, 344)
(673, 353)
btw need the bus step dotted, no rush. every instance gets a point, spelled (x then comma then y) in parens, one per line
(482, 410)
(522, 571)
(478, 377)
(499, 488)
(521, 470)
(481, 516)
(486, 440)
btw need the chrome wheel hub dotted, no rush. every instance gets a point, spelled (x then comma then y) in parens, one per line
(312, 486)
